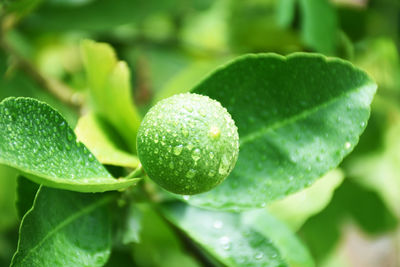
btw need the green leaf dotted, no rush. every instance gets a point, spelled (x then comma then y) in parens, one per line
(319, 25)
(292, 250)
(298, 117)
(36, 140)
(8, 214)
(286, 12)
(90, 15)
(224, 236)
(110, 89)
(65, 228)
(296, 208)
(26, 192)
(92, 132)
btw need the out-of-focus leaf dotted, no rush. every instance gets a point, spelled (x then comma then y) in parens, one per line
(206, 32)
(379, 171)
(285, 10)
(99, 15)
(253, 27)
(187, 78)
(65, 228)
(91, 131)
(295, 209)
(380, 58)
(224, 236)
(22, 7)
(110, 89)
(292, 250)
(120, 258)
(297, 116)
(159, 245)
(14, 82)
(26, 192)
(37, 140)
(132, 224)
(350, 202)
(319, 25)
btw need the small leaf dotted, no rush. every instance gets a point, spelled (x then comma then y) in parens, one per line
(286, 12)
(92, 133)
(291, 248)
(224, 236)
(65, 228)
(298, 117)
(319, 25)
(296, 208)
(110, 89)
(36, 140)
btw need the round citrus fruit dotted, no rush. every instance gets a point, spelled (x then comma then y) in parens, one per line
(188, 143)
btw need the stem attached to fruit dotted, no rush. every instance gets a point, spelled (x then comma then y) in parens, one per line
(138, 172)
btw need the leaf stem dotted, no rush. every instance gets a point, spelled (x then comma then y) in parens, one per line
(138, 172)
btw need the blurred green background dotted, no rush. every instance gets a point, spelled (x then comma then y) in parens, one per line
(169, 46)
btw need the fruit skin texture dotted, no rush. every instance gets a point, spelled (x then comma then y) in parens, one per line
(188, 143)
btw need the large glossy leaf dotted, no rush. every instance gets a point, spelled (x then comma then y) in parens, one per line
(224, 236)
(110, 89)
(26, 192)
(65, 228)
(38, 141)
(291, 248)
(298, 117)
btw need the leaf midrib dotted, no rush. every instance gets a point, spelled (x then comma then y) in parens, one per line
(66, 222)
(263, 130)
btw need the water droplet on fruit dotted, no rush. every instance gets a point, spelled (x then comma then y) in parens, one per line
(211, 173)
(186, 197)
(191, 173)
(178, 150)
(214, 132)
(211, 155)
(202, 112)
(190, 146)
(196, 154)
(189, 108)
(185, 132)
(223, 166)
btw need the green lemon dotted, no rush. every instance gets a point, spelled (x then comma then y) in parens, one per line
(188, 143)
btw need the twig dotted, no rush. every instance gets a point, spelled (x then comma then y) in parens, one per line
(55, 87)
(60, 90)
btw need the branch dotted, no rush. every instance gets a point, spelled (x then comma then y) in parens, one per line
(55, 87)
